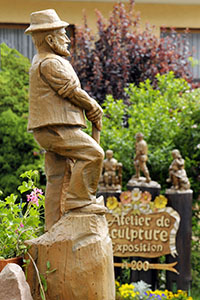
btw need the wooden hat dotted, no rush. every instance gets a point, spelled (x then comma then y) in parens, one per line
(45, 20)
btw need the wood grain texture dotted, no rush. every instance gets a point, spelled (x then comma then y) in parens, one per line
(79, 248)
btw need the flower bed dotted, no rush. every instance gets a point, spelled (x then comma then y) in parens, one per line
(141, 290)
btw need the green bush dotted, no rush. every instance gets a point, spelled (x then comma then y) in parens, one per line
(17, 145)
(20, 222)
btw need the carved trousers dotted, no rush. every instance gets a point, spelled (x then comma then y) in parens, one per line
(73, 164)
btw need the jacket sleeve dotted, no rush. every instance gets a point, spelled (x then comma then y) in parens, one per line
(65, 82)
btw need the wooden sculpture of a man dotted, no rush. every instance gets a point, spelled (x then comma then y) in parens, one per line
(141, 157)
(111, 173)
(73, 159)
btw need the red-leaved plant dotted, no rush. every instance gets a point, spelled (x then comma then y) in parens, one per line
(123, 53)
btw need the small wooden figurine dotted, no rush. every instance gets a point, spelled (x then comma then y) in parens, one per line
(141, 157)
(177, 173)
(140, 163)
(111, 179)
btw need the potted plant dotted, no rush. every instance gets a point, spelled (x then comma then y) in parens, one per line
(20, 220)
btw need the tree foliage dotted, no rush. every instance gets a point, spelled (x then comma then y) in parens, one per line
(123, 53)
(17, 145)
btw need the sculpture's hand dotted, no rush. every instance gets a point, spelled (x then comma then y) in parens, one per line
(98, 125)
(95, 115)
(96, 131)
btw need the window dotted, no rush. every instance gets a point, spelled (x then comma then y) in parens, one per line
(13, 35)
(193, 38)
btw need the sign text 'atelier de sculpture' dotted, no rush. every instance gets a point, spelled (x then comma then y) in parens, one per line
(142, 228)
(76, 243)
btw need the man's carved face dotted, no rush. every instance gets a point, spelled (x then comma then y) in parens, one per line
(59, 42)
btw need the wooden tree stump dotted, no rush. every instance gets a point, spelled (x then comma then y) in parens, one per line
(79, 248)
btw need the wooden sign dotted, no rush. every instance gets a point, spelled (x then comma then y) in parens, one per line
(146, 266)
(141, 227)
(144, 235)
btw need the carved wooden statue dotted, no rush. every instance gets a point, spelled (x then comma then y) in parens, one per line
(76, 226)
(56, 117)
(177, 173)
(141, 157)
(111, 179)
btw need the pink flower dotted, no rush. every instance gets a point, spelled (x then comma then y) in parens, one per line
(34, 196)
(126, 197)
(146, 197)
(21, 225)
(38, 191)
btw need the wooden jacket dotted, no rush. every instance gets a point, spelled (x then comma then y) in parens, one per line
(52, 80)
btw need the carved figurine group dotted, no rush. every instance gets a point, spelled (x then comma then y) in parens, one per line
(111, 178)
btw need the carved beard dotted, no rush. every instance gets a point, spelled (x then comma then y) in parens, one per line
(60, 49)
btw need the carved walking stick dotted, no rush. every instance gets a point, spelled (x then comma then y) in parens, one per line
(96, 132)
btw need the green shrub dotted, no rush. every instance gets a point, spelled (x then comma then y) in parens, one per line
(19, 221)
(17, 145)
